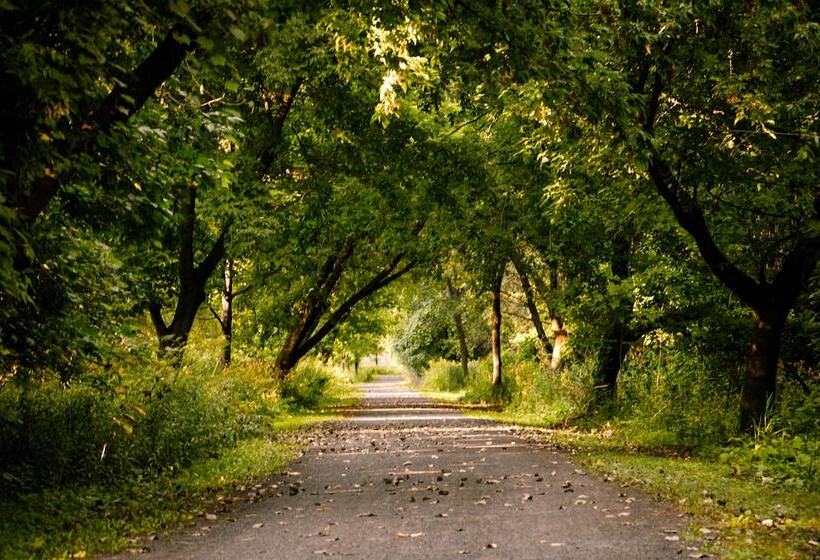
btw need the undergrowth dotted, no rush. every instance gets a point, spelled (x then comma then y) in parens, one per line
(87, 465)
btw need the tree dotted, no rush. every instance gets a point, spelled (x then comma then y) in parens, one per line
(750, 172)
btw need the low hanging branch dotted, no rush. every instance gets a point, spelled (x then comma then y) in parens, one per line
(124, 100)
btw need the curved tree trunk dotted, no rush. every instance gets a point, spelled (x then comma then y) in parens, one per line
(535, 316)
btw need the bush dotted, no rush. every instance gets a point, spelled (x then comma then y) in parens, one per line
(305, 387)
(668, 396)
(50, 434)
(443, 375)
(154, 419)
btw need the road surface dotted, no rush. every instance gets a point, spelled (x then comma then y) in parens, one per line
(402, 477)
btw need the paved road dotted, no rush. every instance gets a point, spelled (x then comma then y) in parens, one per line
(405, 478)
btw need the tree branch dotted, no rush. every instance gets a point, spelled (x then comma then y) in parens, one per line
(691, 218)
(217, 317)
(379, 281)
(127, 98)
(155, 310)
(123, 101)
(211, 261)
(241, 291)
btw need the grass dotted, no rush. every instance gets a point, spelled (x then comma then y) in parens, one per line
(738, 517)
(76, 522)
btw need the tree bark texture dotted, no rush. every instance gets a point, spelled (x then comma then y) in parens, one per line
(560, 339)
(760, 383)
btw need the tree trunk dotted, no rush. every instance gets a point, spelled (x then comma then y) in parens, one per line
(559, 341)
(496, 333)
(173, 337)
(760, 384)
(610, 358)
(307, 332)
(460, 333)
(462, 346)
(226, 318)
(612, 352)
(533, 308)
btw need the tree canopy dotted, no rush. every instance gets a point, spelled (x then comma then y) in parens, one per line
(630, 170)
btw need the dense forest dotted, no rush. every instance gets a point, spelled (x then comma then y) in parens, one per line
(587, 213)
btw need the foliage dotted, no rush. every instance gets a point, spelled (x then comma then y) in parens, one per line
(443, 375)
(305, 387)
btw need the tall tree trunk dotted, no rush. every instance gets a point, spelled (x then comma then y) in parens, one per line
(760, 386)
(613, 350)
(496, 332)
(192, 279)
(226, 319)
(460, 333)
(533, 308)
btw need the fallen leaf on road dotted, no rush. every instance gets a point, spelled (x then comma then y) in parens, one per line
(258, 525)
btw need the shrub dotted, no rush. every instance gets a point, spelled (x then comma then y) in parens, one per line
(151, 419)
(443, 375)
(305, 387)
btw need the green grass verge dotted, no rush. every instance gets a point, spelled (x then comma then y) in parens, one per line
(738, 517)
(77, 522)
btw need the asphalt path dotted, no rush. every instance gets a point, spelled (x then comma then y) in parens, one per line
(402, 477)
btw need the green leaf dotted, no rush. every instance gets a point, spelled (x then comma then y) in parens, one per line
(238, 33)
(180, 7)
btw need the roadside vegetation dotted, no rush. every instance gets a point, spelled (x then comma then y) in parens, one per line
(92, 466)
